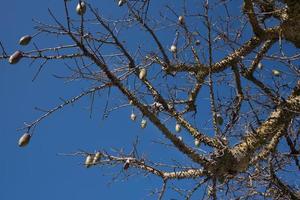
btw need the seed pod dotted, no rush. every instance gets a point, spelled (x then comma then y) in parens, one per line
(180, 138)
(259, 65)
(143, 74)
(24, 140)
(143, 123)
(88, 161)
(25, 40)
(81, 8)
(126, 164)
(97, 157)
(224, 140)
(173, 48)
(177, 128)
(197, 42)
(121, 2)
(276, 72)
(15, 57)
(219, 120)
(132, 116)
(181, 19)
(197, 142)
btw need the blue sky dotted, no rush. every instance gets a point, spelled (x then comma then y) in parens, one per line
(37, 172)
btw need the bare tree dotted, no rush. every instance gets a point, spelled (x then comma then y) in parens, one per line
(219, 54)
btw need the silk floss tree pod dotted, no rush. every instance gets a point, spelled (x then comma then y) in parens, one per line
(81, 8)
(181, 19)
(97, 157)
(126, 164)
(25, 40)
(143, 123)
(121, 2)
(177, 128)
(180, 138)
(132, 116)
(173, 48)
(88, 161)
(24, 140)
(219, 119)
(15, 57)
(259, 65)
(276, 72)
(197, 142)
(143, 74)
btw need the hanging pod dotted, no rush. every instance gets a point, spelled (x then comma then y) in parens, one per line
(132, 116)
(173, 48)
(181, 19)
(177, 128)
(88, 161)
(143, 123)
(121, 2)
(259, 65)
(97, 157)
(219, 119)
(197, 142)
(143, 74)
(15, 57)
(24, 140)
(276, 72)
(81, 8)
(126, 164)
(180, 138)
(25, 40)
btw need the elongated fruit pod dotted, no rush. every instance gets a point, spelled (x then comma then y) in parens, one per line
(173, 48)
(97, 157)
(24, 140)
(126, 165)
(276, 72)
(121, 2)
(143, 74)
(219, 119)
(143, 123)
(181, 19)
(197, 142)
(25, 40)
(15, 57)
(177, 128)
(132, 116)
(88, 161)
(81, 8)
